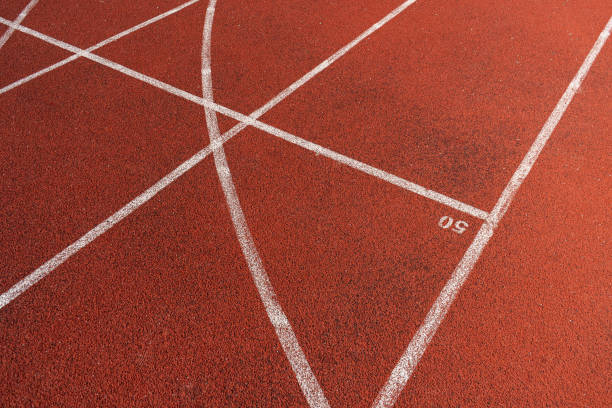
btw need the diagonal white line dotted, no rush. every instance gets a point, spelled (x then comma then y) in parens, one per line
(412, 355)
(381, 174)
(336, 56)
(60, 258)
(407, 363)
(49, 266)
(7, 34)
(248, 120)
(94, 47)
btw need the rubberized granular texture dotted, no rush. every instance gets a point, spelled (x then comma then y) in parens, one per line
(357, 218)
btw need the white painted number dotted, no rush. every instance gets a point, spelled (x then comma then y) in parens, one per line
(447, 222)
(460, 227)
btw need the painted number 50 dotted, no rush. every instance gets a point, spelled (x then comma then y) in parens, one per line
(458, 227)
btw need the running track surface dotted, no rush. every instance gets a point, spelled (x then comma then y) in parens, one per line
(342, 186)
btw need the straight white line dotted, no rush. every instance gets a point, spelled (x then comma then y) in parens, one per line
(94, 47)
(7, 34)
(131, 73)
(412, 355)
(53, 263)
(337, 55)
(381, 174)
(61, 257)
(108, 223)
(286, 336)
(248, 120)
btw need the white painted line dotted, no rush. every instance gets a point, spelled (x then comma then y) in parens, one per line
(142, 25)
(412, 355)
(7, 34)
(39, 73)
(337, 55)
(53, 263)
(381, 174)
(288, 340)
(251, 121)
(122, 69)
(105, 225)
(94, 47)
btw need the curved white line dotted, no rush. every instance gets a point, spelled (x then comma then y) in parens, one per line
(306, 378)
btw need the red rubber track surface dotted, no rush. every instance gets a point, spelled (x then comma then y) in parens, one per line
(531, 326)
(468, 88)
(148, 317)
(11, 9)
(354, 285)
(23, 55)
(162, 310)
(72, 156)
(85, 23)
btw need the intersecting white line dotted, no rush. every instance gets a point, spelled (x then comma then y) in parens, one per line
(94, 47)
(406, 366)
(248, 120)
(412, 355)
(299, 363)
(49, 266)
(9, 31)
(381, 174)
(366, 168)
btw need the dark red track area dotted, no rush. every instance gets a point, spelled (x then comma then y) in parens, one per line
(470, 124)
(146, 316)
(161, 310)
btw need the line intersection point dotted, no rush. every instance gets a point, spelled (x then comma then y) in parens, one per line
(9, 32)
(252, 121)
(244, 120)
(311, 388)
(415, 350)
(289, 342)
(95, 47)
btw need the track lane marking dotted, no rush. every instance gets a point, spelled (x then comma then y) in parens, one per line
(95, 47)
(9, 31)
(381, 174)
(330, 154)
(293, 351)
(251, 121)
(500, 207)
(333, 58)
(48, 267)
(415, 350)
